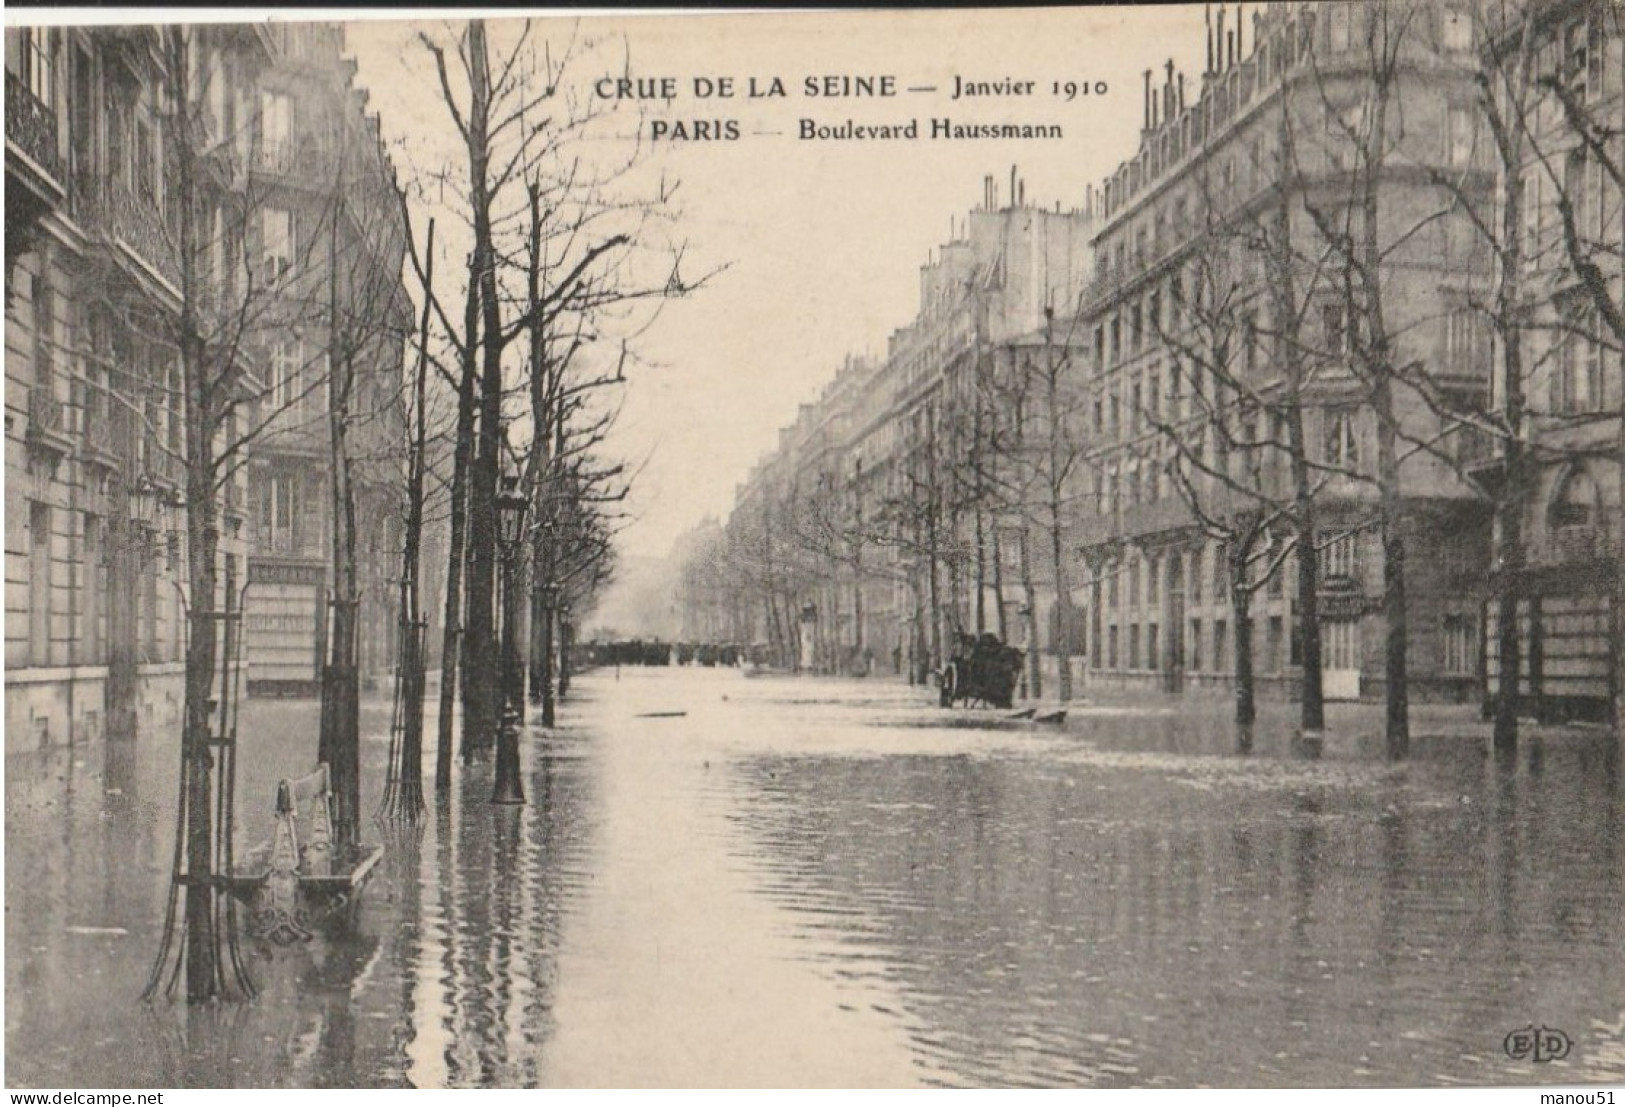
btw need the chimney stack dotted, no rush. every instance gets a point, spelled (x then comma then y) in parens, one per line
(1146, 125)
(1219, 40)
(1207, 15)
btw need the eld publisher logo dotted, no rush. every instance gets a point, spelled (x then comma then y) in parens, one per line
(1539, 1046)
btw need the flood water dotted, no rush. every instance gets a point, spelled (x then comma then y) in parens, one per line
(781, 882)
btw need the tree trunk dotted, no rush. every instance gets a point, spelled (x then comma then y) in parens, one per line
(546, 646)
(340, 742)
(1063, 600)
(1035, 653)
(339, 746)
(566, 634)
(481, 693)
(452, 631)
(1514, 492)
(1241, 602)
(197, 759)
(1001, 619)
(413, 628)
(1312, 709)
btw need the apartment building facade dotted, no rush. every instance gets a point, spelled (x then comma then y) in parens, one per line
(96, 544)
(876, 509)
(1571, 382)
(1231, 301)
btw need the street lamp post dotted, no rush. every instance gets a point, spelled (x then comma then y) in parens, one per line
(510, 513)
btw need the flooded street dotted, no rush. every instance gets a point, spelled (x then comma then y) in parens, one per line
(725, 881)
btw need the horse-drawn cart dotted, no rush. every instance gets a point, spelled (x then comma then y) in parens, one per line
(983, 670)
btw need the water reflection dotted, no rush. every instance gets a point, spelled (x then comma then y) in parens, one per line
(445, 981)
(1123, 902)
(1092, 919)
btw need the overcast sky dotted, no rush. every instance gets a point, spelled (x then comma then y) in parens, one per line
(822, 239)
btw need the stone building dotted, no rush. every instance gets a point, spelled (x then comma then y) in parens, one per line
(95, 529)
(1571, 380)
(1229, 302)
(95, 512)
(330, 219)
(866, 526)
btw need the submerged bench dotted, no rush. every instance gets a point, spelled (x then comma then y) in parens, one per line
(296, 883)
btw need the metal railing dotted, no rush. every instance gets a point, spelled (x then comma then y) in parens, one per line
(31, 124)
(46, 413)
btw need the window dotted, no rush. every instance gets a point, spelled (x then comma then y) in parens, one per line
(1111, 647)
(1339, 644)
(1116, 339)
(39, 583)
(276, 131)
(1460, 135)
(1337, 27)
(1134, 646)
(1153, 657)
(1342, 438)
(276, 242)
(1465, 348)
(1197, 568)
(1221, 645)
(1339, 557)
(1460, 645)
(31, 55)
(1576, 382)
(1333, 331)
(1274, 636)
(286, 357)
(44, 337)
(144, 166)
(1456, 32)
(215, 96)
(1136, 328)
(1533, 213)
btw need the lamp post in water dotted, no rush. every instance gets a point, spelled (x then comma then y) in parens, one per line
(510, 513)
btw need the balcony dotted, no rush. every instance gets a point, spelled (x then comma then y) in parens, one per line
(305, 161)
(30, 126)
(164, 468)
(141, 229)
(47, 421)
(96, 436)
(1571, 545)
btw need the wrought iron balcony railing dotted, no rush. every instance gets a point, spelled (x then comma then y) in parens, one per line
(46, 413)
(31, 124)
